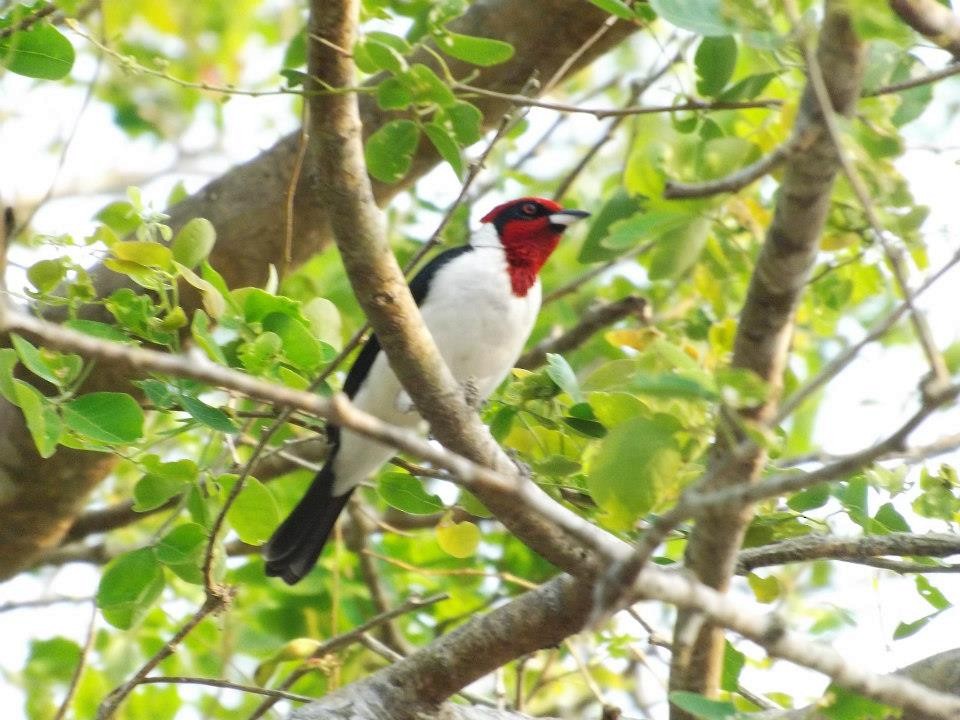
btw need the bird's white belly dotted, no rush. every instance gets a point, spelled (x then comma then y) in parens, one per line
(480, 331)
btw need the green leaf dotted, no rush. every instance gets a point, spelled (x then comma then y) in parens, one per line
(405, 492)
(160, 394)
(163, 481)
(677, 250)
(618, 206)
(846, 705)
(105, 416)
(557, 465)
(459, 539)
(214, 301)
(46, 275)
(389, 151)
(702, 707)
(586, 426)
(257, 304)
(141, 274)
(296, 649)
(325, 321)
(152, 491)
(742, 387)
(193, 244)
(810, 499)
(141, 252)
(208, 415)
(392, 94)
(465, 120)
(670, 385)
(34, 361)
(300, 347)
(258, 356)
(704, 17)
(475, 50)
(905, 630)
(8, 361)
(130, 585)
(632, 466)
(390, 40)
(644, 227)
(120, 216)
(254, 514)
(748, 88)
(765, 589)
(383, 57)
(931, 594)
(200, 331)
(563, 375)
(183, 550)
(733, 664)
(446, 145)
(426, 87)
(469, 502)
(617, 8)
(296, 53)
(715, 60)
(892, 520)
(41, 416)
(97, 329)
(40, 52)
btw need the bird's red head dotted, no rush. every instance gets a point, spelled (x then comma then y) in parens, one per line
(529, 230)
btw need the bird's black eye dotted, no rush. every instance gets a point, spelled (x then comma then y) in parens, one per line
(529, 209)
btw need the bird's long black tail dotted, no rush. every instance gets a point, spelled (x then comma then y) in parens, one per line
(295, 546)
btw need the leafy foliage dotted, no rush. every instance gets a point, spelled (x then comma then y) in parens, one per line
(613, 429)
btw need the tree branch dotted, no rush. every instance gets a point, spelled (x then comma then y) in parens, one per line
(592, 321)
(762, 342)
(932, 20)
(813, 547)
(382, 291)
(247, 206)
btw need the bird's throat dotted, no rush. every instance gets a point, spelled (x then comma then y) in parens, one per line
(525, 258)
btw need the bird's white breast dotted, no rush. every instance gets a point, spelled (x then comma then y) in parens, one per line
(480, 328)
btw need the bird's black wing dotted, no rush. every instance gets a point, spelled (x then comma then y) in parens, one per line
(418, 288)
(295, 546)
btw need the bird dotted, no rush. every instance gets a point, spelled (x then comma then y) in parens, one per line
(479, 301)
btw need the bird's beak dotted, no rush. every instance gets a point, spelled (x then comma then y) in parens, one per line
(560, 220)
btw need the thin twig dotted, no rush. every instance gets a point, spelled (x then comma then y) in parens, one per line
(506, 122)
(894, 253)
(591, 322)
(40, 603)
(67, 144)
(303, 141)
(744, 176)
(227, 685)
(29, 20)
(600, 113)
(348, 638)
(81, 664)
(578, 282)
(637, 90)
(857, 549)
(110, 703)
(843, 359)
(573, 57)
(928, 79)
(455, 572)
(585, 673)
